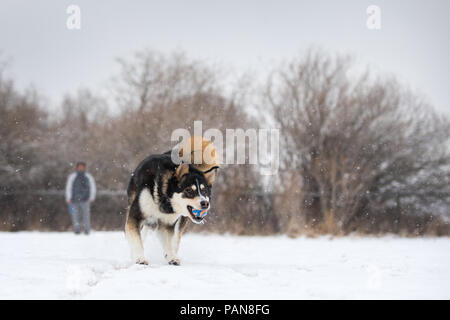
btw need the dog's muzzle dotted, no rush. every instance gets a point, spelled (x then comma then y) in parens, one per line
(197, 215)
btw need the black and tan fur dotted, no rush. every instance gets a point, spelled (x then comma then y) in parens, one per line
(161, 197)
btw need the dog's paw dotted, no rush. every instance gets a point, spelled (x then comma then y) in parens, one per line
(175, 262)
(141, 261)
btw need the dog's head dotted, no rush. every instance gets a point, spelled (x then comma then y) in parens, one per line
(193, 190)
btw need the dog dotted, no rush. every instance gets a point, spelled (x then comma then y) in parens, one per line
(162, 196)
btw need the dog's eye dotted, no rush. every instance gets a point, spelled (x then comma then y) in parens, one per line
(188, 192)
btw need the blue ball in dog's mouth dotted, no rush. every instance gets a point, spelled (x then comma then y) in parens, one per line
(200, 213)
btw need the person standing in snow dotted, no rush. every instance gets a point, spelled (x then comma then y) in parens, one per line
(80, 192)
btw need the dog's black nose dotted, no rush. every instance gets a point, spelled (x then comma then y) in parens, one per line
(204, 204)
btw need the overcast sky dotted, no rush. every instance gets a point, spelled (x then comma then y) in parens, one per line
(413, 42)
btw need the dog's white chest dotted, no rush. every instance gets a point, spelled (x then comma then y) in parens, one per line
(150, 209)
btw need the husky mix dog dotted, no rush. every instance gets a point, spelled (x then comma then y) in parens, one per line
(162, 196)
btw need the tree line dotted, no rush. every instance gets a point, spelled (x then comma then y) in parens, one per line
(359, 152)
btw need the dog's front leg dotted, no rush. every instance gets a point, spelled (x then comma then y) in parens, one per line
(133, 235)
(180, 226)
(166, 235)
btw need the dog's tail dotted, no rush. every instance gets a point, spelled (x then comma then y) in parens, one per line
(203, 154)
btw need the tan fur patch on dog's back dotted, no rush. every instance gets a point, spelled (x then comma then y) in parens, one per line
(204, 150)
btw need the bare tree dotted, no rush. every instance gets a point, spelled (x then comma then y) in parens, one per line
(159, 94)
(361, 145)
(23, 123)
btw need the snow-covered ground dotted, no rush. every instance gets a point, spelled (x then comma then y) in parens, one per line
(65, 266)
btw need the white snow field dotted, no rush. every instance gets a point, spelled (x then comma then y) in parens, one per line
(36, 265)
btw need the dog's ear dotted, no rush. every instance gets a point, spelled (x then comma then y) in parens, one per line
(181, 170)
(210, 175)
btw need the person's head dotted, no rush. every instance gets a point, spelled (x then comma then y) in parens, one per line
(81, 166)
